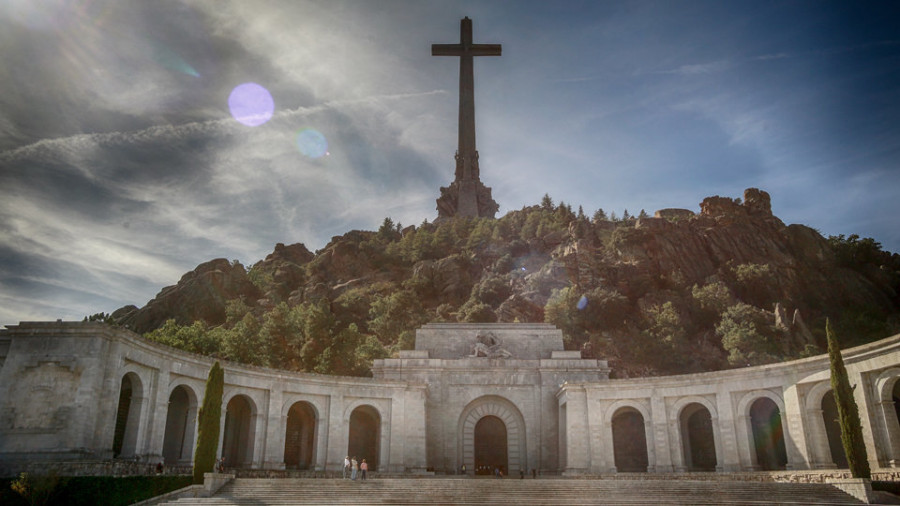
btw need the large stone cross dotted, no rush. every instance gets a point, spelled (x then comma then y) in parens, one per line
(466, 196)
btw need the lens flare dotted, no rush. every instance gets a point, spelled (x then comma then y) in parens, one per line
(582, 302)
(312, 143)
(251, 104)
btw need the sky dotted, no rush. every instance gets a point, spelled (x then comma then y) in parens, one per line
(139, 139)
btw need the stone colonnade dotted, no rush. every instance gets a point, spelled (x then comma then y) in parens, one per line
(778, 416)
(83, 391)
(87, 391)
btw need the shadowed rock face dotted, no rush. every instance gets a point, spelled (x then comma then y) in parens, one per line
(200, 294)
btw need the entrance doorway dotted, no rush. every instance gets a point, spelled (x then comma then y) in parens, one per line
(698, 438)
(300, 436)
(491, 446)
(629, 441)
(768, 435)
(364, 437)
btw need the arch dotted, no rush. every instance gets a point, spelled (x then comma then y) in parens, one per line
(508, 414)
(128, 416)
(491, 451)
(239, 431)
(181, 418)
(300, 436)
(833, 430)
(629, 440)
(364, 439)
(698, 437)
(768, 434)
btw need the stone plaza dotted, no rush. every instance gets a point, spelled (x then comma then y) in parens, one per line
(469, 397)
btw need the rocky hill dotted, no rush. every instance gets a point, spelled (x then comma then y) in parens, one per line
(676, 292)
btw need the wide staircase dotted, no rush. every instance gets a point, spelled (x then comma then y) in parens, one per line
(489, 491)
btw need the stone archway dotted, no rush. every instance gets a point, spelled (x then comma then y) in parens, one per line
(698, 438)
(365, 435)
(768, 435)
(238, 434)
(629, 441)
(128, 416)
(300, 436)
(178, 441)
(490, 444)
(833, 430)
(511, 419)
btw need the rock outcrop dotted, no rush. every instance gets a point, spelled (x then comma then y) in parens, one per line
(200, 295)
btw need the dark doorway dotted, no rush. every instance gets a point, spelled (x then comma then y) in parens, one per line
(698, 438)
(490, 446)
(299, 438)
(128, 417)
(629, 441)
(178, 439)
(365, 432)
(833, 430)
(895, 396)
(768, 435)
(125, 394)
(237, 442)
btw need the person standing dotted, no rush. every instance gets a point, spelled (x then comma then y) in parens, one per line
(346, 466)
(363, 467)
(354, 468)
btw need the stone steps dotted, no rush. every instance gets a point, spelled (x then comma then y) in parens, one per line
(276, 492)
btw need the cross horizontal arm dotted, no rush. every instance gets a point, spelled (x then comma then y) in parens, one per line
(460, 50)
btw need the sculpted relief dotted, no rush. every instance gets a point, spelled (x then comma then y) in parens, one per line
(38, 401)
(488, 345)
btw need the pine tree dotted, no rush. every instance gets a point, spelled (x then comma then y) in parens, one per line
(848, 413)
(208, 424)
(599, 215)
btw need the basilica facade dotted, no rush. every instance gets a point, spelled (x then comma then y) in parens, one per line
(469, 398)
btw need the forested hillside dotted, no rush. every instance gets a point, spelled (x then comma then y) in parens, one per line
(673, 293)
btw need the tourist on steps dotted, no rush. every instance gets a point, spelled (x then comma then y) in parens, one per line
(364, 468)
(346, 466)
(354, 468)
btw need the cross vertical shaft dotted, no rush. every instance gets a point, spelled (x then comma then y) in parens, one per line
(466, 196)
(466, 151)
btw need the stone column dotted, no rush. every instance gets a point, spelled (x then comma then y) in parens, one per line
(577, 436)
(821, 452)
(664, 451)
(746, 444)
(891, 432)
(260, 431)
(414, 455)
(651, 448)
(275, 433)
(864, 402)
(727, 455)
(157, 413)
(798, 454)
(338, 434)
(322, 437)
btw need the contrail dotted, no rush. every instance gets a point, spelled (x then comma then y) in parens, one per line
(163, 132)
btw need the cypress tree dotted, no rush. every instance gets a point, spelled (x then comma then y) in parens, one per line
(848, 413)
(208, 424)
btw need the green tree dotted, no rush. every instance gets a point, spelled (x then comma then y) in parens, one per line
(245, 344)
(208, 424)
(599, 215)
(392, 314)
(747, 335)
(546, 202)
(848, 413)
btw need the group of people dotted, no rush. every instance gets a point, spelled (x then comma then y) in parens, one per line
(352, 467)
